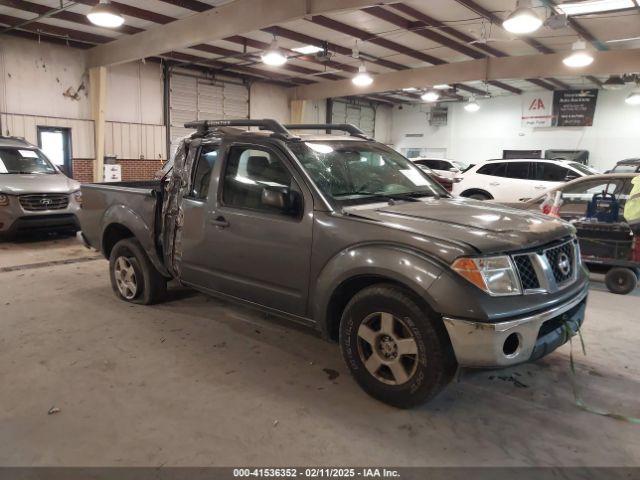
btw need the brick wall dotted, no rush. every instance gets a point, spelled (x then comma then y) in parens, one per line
(132, 169)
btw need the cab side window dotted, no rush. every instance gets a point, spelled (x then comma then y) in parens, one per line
(248, 172)
(202, 172)
(495, 169)
(550, 172)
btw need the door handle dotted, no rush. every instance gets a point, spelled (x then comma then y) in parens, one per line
(219, 221)
(540, 187)
(494, 184)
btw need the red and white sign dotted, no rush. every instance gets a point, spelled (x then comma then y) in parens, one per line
(537, 109)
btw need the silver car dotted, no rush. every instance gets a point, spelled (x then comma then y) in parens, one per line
(34, 193)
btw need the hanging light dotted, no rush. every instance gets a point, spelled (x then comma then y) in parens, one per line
(442, 86)
(633, 98)
(430, 96)
(472, 105)
(274, 56)
(523, 19)
(580, 56)
(105, 15)
(614, 82)
(362, 78)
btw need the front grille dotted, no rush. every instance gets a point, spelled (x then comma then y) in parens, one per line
(528, 277)
(44, 201)
(562, 262)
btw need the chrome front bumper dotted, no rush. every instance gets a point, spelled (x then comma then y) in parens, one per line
(478, 344)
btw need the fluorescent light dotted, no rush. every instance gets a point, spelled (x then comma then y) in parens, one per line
(308, 49)
(105, 15)
(523, 19)
(594, 6)
(430, 96)
(274, 56)
(409, 89)
(580, 57)
(633, 98)
(362, 78)
(442, 86)
(472, 106)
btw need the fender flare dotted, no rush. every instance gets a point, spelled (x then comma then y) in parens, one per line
(411, 268)
(122, 215)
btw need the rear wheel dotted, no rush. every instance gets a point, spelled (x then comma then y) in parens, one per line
(396, 351)
(133, 276)
(621, 280)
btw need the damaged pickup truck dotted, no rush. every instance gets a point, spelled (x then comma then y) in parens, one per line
(344, 234)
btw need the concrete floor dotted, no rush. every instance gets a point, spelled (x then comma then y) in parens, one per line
(195, 381)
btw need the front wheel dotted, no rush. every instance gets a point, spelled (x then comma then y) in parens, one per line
(395, 350)
(133, 276)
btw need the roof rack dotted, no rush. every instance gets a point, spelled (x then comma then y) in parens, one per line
(202, 126)
(344, 127)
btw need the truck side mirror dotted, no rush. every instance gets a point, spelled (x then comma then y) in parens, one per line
(283, 199)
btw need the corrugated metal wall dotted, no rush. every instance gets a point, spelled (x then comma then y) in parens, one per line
(82, 136)
(124, 140)
(135, 141)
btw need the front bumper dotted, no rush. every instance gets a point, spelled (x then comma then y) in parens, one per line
(517, 340)
(15, 219)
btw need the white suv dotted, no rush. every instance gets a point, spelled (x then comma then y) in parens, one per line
(446, 168)
(514, 180)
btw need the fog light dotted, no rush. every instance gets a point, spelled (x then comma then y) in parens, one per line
(511, 345)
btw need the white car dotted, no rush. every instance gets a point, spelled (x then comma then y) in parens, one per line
(446, 168)
(515, 180)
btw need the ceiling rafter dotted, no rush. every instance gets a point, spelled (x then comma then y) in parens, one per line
(44, 28)
(365, 36)
(397, 20)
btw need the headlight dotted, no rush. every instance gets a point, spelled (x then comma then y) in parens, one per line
(78, 196)
(495, 275)
(4, 200)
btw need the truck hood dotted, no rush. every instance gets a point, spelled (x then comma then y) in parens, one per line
(488, 228)
(18, 184)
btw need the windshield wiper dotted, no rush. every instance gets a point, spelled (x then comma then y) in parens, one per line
(409, 197)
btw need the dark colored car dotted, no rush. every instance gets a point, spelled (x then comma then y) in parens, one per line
(345, 235)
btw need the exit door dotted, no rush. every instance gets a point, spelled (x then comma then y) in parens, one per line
(56, 144)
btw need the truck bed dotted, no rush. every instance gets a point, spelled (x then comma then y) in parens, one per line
(133, 205)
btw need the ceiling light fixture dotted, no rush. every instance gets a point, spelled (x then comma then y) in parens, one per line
(430, 96)
(594, 6)
(308, 49)
(580, 56)
(104, 14)
(442, 86)
(410, 89)
(523, 19)
(362, 78)
(614, 82)
(472, 106)
(274, 56)
(633, 98)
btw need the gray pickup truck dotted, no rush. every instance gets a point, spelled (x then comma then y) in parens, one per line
(344, 234)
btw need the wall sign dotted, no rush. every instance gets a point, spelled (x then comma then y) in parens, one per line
(537, 109)
(574, 108)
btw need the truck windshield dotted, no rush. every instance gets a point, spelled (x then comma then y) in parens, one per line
(24, 160)
(353, 172)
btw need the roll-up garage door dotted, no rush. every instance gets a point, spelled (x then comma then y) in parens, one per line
(193, 98)
(363, 116)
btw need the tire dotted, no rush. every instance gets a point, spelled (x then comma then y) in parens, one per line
(426, 372)
(479, 196)
(621, 280)
(133, 277)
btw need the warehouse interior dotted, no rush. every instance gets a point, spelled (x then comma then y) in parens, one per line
(101, 91)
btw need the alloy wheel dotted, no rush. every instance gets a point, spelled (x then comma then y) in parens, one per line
(125, 276)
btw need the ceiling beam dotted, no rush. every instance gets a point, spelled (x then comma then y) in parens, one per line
(374, 39)
(229, 19)
(488, 69)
